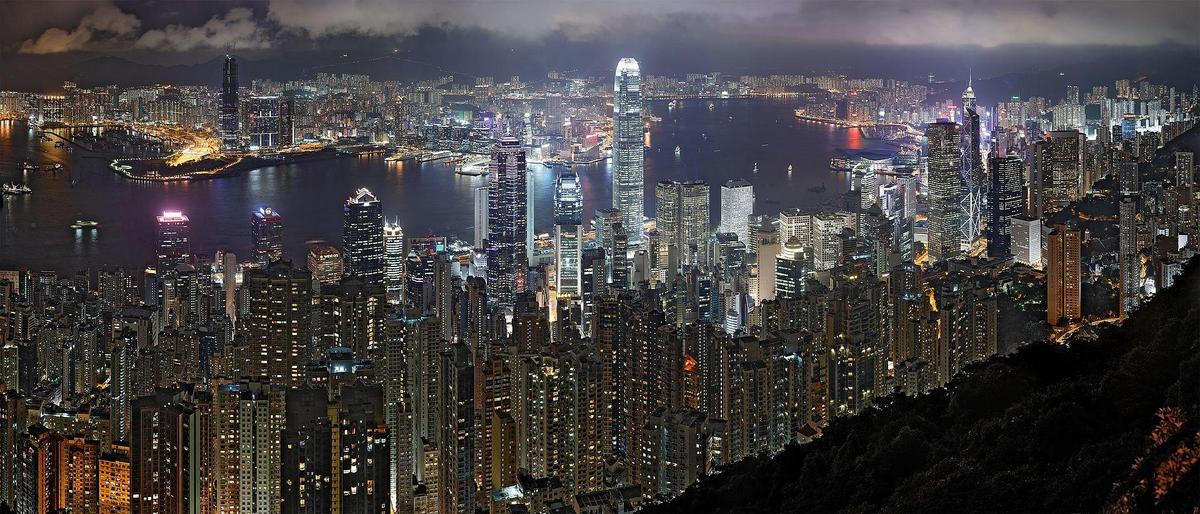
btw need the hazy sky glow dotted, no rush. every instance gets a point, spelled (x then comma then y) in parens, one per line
(162, 26)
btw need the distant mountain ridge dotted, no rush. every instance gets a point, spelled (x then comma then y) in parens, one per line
(1107, 425)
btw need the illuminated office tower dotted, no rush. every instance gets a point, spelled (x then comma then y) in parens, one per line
(326, 264)
(628, 149)
(766, 244)
(1026, 240)
(1185, 166)
(1127, 176)
(260, 410)
(682, 218)
(228, 119)
(264, 122)
(362, 237)
(946, 191)
(972, 167)
(1128, 257)
(1006, 200)
(174, 245)
(568, 234)
(1058, 166)
(280, 300)
(266, 229)
(507, 220)
(481, 216)
(791, 270)
(737, 205)
(393, 249)
(603, 222)
(1063, 276)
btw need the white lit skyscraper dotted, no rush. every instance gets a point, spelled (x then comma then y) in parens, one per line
(628, 150)
(568, 233)
(362, 236)
(393, 250)
(737, 205)
(507, 219)
(174, 247)
(481, 215)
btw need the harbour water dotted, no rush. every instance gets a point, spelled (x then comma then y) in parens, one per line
(716, 144)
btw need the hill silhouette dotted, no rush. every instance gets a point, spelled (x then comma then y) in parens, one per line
(1105, 425)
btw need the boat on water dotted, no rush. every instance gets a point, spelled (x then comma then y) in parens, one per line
(789, 169)
(16, 189)
(29, 166)
(85, 225)
(676, 150)
(755, 170)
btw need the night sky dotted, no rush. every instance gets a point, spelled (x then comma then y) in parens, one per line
(131, 41)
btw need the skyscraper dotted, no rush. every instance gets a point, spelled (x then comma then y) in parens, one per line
(972, 167)
(481, 215)
(1185, 166)
(264, 122)
(1058, 162)
(362, 237)
(682, 218)
(280, 300)
(628, 148)
(174, 247)
(1128, 257)
(228, 119)
(507, 219)
(326, 263)
(266, 228)
(568, 233)
(393, 249)
(1006, 199)
(946, 190)
(737, 205)
(1063, 275)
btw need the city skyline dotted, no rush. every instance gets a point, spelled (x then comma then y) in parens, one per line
(289, 288)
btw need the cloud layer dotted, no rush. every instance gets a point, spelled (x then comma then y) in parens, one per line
(986, 23)
(106, 20)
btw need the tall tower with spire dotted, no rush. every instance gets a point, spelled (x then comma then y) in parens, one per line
(973, 174)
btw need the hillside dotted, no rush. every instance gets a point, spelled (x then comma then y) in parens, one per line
(1112, 425)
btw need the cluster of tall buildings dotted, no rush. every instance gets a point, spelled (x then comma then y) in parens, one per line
(392, 373)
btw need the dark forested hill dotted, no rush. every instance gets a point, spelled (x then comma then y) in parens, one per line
(1111, 424)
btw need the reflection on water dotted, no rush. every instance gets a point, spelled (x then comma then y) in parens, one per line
(715, 146)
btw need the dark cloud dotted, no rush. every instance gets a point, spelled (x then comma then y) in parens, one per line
(185, 26)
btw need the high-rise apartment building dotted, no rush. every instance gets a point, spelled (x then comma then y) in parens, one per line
(1063, 279)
